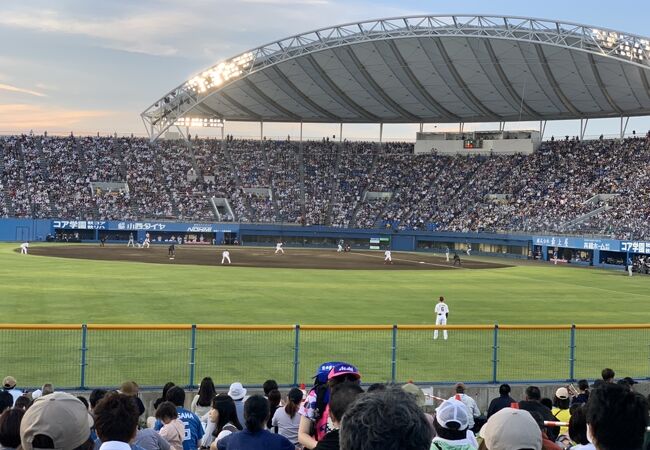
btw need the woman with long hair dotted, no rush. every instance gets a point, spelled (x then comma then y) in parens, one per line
(286, 421)
(202, 401)
(222, 420)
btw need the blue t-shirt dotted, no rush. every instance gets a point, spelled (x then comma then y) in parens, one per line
(193, 428)
(261, 440)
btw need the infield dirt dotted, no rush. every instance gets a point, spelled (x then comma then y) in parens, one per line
(295, 258)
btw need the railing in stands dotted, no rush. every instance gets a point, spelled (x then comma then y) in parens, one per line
(101, 355)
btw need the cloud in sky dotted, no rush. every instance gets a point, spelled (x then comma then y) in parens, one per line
(10, 88)
(22, 117)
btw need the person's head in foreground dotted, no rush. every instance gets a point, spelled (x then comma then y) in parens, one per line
(385, 420)
(452, 420)
(616, 418)
(116, 418)
(511, 429)
(56, 421)
(256, 413)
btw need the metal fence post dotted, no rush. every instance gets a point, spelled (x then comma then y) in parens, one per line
(393, 360)
(296, 358)
(192, 355)
(572, 353)
(495, 353)
(82, 370)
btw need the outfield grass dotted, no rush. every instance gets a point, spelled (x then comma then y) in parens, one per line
(54, 290)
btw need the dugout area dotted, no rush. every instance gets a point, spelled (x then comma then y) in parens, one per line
(263, 257)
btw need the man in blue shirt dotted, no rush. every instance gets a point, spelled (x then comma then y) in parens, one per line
(254, 436)
(193, 428)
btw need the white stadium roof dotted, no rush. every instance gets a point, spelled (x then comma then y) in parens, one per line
(453, 68)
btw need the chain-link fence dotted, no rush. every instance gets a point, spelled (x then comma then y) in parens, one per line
(86, 356)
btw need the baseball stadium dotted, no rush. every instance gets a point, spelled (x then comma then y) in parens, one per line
(191, 253)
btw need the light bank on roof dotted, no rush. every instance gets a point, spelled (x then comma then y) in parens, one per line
(441, 69)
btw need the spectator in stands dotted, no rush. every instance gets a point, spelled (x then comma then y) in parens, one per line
(9, 385)
(10, 428)
(6, 400)
(202, 402)
(417, 393)
(149, 439)
(95, 396)
(315, 409)
(533, 404)
(343, 395)
(193, 427)
(56, 421)
(172, 429)
(254, 436)
(275, 398)
(629, 382)
(583, 392)
(547, 443)
(452, 427)
(116, 421)
(561, 402)
(385, 419)
(616, 418)
(502, 401)
(23, 402)
(286, 420)
(511, 429)
(578, 428)
(131, 389)
(166, 388)
(223, 420)
(268, 386)
(238, 393)
(469, 403)
(608, 375)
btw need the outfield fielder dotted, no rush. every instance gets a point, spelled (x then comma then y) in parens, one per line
(171, 251)
(339, 249)
(23, 248)
(225, 256)
(131, 242)
(146, 242)
(278, 248)
(447, 253)
(442, 313)
(469, 249)
(388, 258)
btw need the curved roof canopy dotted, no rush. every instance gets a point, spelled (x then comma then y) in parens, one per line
(468, 68)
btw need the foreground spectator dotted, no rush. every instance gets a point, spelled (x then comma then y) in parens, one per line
(469, 403)
(343, 395)
(56, 421)
(385, 420)
(616, 418)
(6, 400)
(193, 429)
(533, 404)
(502, 401)
(578, 429)
(511, 429)
(608, 375)
(275, 399)
(452, 425)
(202, 401)
(238, 393)
(286, 420)
(116, 421)
(9, 385)
(417, 393)
(10, 428)
(173, 430)
(222, 420)
(583, 392)
(560, 409)
(254, 436)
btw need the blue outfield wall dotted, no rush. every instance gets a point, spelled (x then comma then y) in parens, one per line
(512, 245)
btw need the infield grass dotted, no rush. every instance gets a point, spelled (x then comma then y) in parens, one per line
(55, 290)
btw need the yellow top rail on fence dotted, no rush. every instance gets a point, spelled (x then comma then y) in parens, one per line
(232, 327)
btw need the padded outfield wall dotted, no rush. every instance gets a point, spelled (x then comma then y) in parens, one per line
(597, 252)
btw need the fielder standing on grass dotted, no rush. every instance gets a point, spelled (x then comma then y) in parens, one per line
(225, 256)
(442, 313)
(23, 248)
(388, 258)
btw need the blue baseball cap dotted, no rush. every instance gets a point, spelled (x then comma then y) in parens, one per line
(343, 369)
(324, 369)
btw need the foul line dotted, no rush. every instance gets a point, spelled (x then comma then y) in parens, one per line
(410, 260)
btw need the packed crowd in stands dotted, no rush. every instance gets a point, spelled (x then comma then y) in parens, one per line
(348, 184)
(336, 413)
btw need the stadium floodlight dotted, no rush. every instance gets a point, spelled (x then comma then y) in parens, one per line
(205, 122)
(221, 73)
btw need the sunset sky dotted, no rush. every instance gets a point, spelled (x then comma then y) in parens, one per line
(89, 66)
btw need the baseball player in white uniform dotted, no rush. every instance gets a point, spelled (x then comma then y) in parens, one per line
(469, 249)
(131, 242)
(278, 248)
(339, 248)
(23, 248)
(442, 312)
(147, 241)
(225, 256)
(388, 258)
(447, 253)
